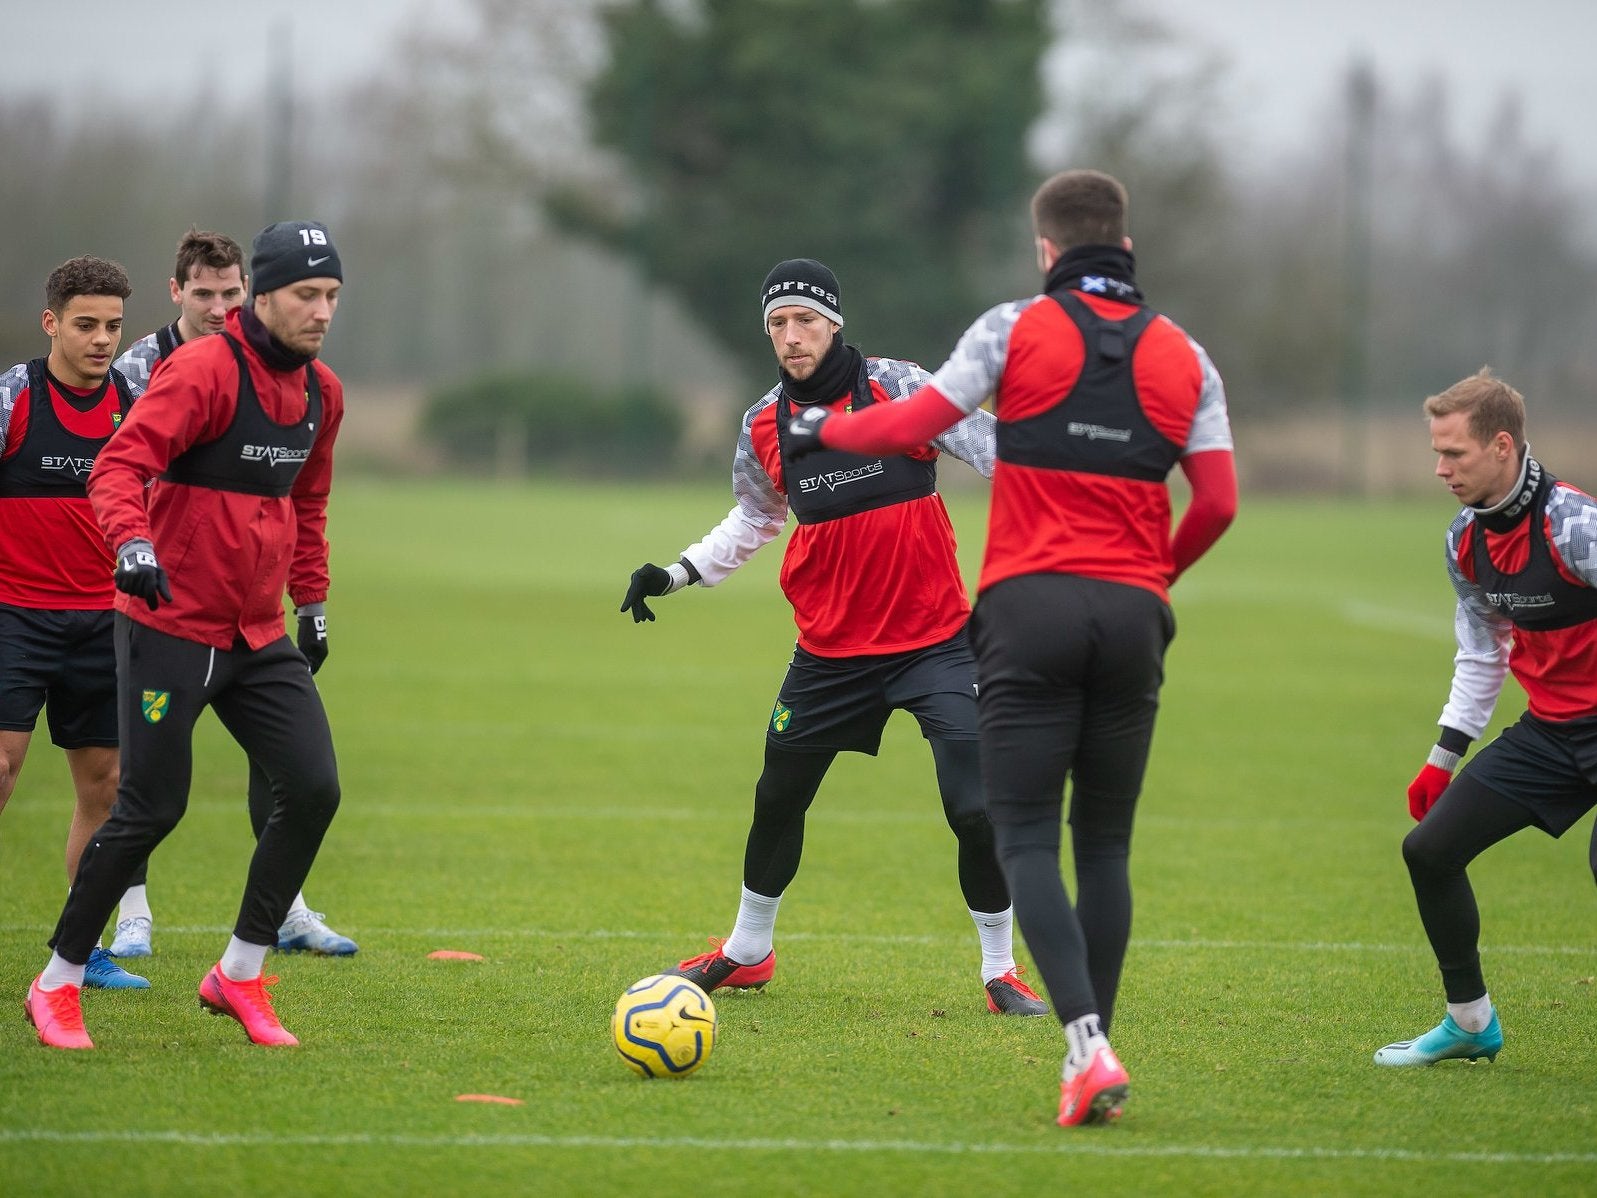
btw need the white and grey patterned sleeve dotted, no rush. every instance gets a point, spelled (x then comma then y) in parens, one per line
(973, 369)
(1572, 520)
(973, 440)
(139, 363)
(1484, 636)
(756, 519)
(12, 384)
(1211, 423)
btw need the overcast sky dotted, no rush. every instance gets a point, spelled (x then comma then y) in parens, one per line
(1286, 59)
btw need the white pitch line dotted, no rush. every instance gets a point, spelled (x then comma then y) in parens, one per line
(1192, 945)
(1062, 1147)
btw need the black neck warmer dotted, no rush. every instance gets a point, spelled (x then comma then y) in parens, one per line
(272, 351)
(1106, 270)
(835, 376)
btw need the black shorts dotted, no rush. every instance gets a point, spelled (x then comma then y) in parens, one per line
(65, 663)
(841, 704)
(1548, 769)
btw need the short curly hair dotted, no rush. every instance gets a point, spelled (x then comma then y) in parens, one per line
(85, 276)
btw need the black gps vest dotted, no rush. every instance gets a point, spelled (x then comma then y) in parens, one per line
(165, 342)
(256, 455)
(1098, 427)
(829, 484)
(1537, 598)
(53, 462)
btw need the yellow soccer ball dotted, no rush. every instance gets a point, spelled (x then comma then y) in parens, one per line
(663, 1026)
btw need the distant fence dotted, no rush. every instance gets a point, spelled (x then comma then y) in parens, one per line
(1385, 454)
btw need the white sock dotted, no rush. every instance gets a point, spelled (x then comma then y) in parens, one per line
(135, 905)
(1472, 1016)
(60, 973)
(997, 933)
(297, 905)
(1084, 1038)
(750, 941)
(242, 960)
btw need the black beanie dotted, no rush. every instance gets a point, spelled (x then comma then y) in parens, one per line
(803, 282)
(289, 251)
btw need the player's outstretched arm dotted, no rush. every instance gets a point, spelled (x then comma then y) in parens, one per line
(880, 428)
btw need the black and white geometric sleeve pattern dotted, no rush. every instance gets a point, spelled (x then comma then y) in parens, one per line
(973, 369)
(1484, 636)
(139, 363)
(1572, 519)
(1211, 423)
(12, 384)
(974, 440)
(755, 520)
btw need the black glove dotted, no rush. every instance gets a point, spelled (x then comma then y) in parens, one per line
(647, 579)
(312, 638)
(138, 573)
(804, 431)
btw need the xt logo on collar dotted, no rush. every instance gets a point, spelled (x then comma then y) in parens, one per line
(1102, 285)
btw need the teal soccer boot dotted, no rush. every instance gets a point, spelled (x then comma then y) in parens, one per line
(1445, 1042)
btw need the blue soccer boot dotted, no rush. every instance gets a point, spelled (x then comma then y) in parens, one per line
(103, 973)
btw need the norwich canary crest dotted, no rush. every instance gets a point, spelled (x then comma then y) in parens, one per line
(155, 704)
(781, 717)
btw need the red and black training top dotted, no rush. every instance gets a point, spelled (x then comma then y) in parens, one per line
(1097, 398)
(54, 556)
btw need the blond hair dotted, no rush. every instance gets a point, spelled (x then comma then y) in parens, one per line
(1492, 406)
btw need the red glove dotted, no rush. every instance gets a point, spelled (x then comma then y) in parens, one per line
(1426, 788)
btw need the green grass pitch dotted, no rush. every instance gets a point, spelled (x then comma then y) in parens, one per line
(529, 776)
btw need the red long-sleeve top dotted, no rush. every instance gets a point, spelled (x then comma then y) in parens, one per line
(229, 556)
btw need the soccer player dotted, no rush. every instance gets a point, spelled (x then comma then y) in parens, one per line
(207, 283)
(56, 414)
(1098, 398)
(881, 612)
(234, 439)
(1522, 557)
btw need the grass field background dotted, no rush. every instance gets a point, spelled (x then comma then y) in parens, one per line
(529, 776)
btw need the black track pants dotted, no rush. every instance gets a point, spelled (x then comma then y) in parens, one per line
(1069, 670)
(261, 802)
(265, 698)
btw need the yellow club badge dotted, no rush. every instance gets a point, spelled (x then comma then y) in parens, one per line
(154, 705)
(781, 717)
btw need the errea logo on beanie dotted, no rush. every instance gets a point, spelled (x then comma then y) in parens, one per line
(289, 251)
(801, 282)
